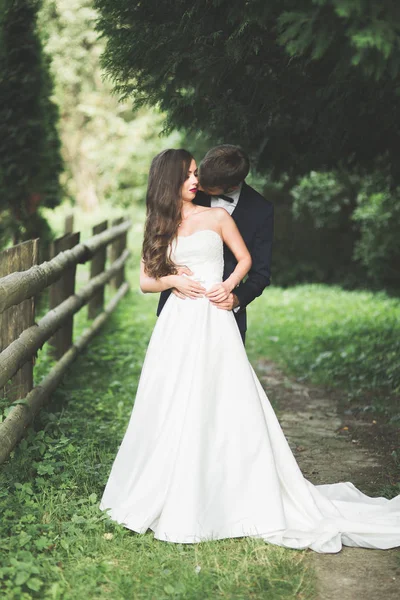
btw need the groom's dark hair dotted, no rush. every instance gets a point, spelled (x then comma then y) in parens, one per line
(224, 166)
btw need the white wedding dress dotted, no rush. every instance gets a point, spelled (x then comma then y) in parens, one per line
(204, 457)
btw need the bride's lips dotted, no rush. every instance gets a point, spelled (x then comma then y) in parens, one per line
(193, 190)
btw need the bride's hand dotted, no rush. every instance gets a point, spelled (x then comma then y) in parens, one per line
(181, 271)
(218, 293)
(185, 287)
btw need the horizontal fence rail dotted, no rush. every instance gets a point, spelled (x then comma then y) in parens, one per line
(33, 338)
(13, 427)
(20, 286)
(55, 327)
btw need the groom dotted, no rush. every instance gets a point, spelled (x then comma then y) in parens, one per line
(222, 175)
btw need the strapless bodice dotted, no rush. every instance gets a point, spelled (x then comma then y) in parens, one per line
(202, 252)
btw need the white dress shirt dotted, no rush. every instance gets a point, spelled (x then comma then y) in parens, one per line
(229, 207)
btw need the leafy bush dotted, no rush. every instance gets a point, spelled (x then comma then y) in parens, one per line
(332, 227)
(323, 198)
(314, 236)
(378, 249)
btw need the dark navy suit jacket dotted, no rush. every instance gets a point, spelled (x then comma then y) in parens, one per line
(254, 217)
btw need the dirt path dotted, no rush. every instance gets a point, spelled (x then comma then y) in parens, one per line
(328, 450)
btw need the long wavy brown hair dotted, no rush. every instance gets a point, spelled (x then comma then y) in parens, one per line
(168, 171)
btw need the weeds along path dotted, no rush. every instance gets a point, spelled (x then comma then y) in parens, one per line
(329, 450)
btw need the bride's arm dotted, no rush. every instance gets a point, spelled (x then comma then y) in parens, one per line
(149, 284)
(232, 238)
(183, 284)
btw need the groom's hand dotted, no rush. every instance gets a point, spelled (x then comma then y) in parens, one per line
(230, 303)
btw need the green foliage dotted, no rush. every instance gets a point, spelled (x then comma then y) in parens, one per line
(323, 198)
(322, 246)
(378, 217)
(30, 162)
(302, 88)
(107, 147)
(368, 31)
(349, 340)
(336, 228)
(315, 237)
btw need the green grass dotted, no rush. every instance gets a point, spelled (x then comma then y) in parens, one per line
(349, 340)
(55, 542)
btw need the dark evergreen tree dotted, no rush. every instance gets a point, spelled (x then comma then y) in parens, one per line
(301, 85)
(30, 160)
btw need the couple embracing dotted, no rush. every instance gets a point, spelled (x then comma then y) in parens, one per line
(204, 456)
(221, 180)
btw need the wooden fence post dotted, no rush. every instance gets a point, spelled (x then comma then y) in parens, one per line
(14, 320)
(117, 248)
(60, 291)
(97, 266)
(69, 224)
(18, 287)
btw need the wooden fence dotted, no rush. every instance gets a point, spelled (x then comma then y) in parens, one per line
(21, 280)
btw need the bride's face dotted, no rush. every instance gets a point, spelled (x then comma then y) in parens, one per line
(190, 186)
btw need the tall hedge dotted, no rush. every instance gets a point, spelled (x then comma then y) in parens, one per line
(30, 160)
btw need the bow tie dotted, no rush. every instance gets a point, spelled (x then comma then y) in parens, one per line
(223, 196)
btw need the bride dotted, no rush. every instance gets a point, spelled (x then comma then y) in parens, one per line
(204, 457)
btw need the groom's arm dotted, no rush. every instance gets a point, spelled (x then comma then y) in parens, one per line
(259, 275)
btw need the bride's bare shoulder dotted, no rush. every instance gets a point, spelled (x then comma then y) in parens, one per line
(205, 209)
(215, 212)
(215, 215)
(220, 214)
